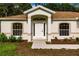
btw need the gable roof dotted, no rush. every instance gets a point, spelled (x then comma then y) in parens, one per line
(59, 15)
(56, 15)
(39, 7)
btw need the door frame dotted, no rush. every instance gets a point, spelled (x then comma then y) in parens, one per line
(46, 29)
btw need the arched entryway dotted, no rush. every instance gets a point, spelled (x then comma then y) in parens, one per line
(39, 27)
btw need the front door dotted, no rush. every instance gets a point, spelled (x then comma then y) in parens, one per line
(39, 31)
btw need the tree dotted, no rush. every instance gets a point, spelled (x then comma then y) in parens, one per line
(18, 8)
(13, 9)
(3, 10)
(67, 7)
(24, 6)
(53, 6)
(60, 6)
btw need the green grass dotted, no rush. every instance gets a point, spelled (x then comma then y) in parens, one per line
(7, 49)
(24, 49)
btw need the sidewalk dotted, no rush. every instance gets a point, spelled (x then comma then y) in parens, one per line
(42, 45)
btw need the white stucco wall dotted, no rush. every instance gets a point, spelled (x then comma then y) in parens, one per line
(39, 12)
(6, 27)
(74, 30)
(53, 27)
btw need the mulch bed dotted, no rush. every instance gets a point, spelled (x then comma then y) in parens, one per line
(63, 41)
(24, 50)
(48, 52)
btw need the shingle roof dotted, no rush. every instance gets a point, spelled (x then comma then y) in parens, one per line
(58, 15)
(15, 17)
(65, 14)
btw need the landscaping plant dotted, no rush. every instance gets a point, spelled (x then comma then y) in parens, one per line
(12, 38)
(77, 40)
(3, 37)
(19, 39)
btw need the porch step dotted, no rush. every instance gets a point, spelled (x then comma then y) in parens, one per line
(38, 44)
(39, 40)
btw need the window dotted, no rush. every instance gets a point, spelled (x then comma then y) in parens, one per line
(17, 29)
(64, 29)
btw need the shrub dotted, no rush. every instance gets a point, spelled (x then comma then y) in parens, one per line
(77, 39)
(63, 48)
(56, 38)
(3, 37)
(19, 39)
(12, 38)
(70, 38)
(66, 39)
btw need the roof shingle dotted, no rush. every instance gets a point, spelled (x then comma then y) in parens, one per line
(59, 14)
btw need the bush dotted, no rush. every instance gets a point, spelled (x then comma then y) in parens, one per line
(66, 39)
(19, 39)
(77, 39)
(56, 38)
(12, 38)
(70, 38)
(3, 37)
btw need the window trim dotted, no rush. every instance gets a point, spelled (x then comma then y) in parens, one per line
(64, 29)
(17, 29)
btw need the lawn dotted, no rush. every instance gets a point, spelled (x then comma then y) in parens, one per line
(7, 49)
(24, 49)
(11, 48)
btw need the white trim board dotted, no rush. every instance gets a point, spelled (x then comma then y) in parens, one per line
(39, 6)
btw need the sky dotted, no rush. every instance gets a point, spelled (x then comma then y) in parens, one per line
(74, 4)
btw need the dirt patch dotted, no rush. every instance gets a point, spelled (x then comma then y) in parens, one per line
(24, 50)
(63, 41)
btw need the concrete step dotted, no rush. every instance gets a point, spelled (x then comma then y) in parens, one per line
(38, 44)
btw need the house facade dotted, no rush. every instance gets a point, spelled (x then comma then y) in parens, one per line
(40, 23)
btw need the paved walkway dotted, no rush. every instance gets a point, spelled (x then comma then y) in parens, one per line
(38, 44)
(41, 44)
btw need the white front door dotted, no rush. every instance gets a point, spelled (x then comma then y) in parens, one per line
(39, 31)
